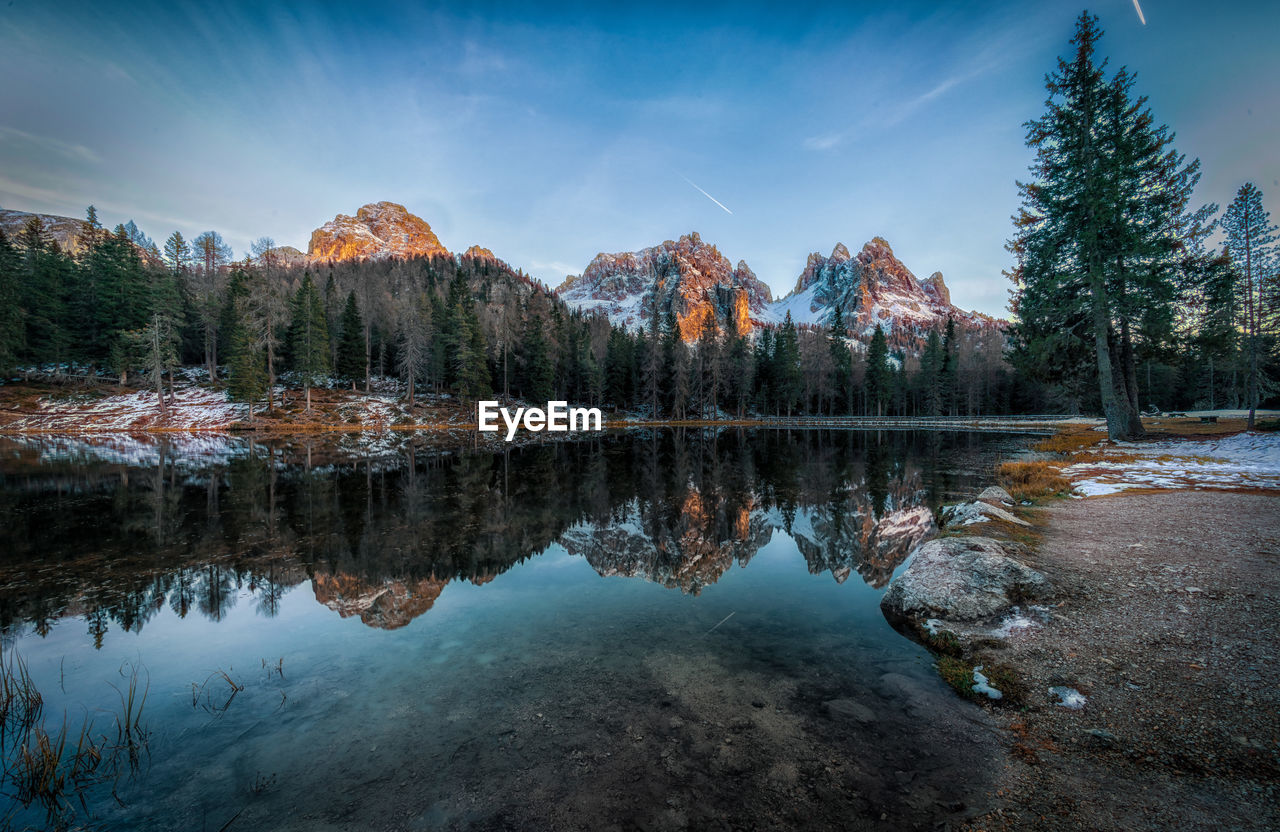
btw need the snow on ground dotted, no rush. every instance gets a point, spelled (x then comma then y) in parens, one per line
(195, 408)
(1245, 460)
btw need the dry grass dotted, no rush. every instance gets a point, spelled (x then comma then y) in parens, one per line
(1033, 480)
(1069, 441)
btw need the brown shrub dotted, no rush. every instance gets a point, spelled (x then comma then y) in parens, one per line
(1032, 480)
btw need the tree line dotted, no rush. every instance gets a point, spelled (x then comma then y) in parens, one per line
(467, 326)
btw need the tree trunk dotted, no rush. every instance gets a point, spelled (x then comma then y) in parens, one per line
(1112, 408)
(368, 358)
(271, 374)
(1130, 379)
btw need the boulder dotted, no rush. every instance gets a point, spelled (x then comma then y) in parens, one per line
(961, 579)
(966, 514)
(995, 495)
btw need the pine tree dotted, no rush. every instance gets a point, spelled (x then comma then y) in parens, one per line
(948, 376)
(879, 379)
(1251, 244)
(841, 363)
(248, 382)
(351, 356)
(539, 374)
(930, 376)
(1099, 230)
(177, 253)
(309, 336)
(618, 368)
(12, 327)
(786, 365)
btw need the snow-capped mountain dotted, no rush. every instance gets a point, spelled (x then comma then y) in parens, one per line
(687, 276)
(378, 230)
(872, 289)
(692, 278)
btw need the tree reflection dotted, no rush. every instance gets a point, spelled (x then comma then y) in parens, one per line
(380, 538)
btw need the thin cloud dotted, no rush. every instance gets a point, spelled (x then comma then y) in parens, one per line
(12, 135)
(708, 196)
(1142, 18)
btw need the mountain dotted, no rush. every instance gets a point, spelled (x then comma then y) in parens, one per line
(286, 256)
(872, 289)
(379, 230)
(687, 276)
(67, 232)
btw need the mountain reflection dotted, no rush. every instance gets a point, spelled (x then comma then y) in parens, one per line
(115, 536)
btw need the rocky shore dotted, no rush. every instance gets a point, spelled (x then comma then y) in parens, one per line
(1129, 654)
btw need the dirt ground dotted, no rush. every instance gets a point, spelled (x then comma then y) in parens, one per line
(1167, 620)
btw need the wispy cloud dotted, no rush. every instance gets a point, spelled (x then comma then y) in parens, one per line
(1142, 18)
(12, 135)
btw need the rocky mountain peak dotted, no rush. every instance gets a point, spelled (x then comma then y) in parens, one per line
(936, 287)
(378, 230)
(478, 253)
(688, 277)
(873, 289)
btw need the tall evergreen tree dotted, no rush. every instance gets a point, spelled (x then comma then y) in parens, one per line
(248, 381)
(12, 327)
(1100, 225)
(351, 356)
(930, 376)
(786, 365)
(841, 363)
(879, 376)
(1251, 244)
(309, 336)
(539, 374)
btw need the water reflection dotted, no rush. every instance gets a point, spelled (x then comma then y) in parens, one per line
(115, 532)
(500, 681)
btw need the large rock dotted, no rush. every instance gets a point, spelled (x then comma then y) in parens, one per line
(961, 579)
(966, 514)
(995, 495)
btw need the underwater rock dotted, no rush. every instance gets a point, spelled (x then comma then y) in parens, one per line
(849, 709)
(963, 579)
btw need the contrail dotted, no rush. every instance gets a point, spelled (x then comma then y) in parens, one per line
(730, 615)
(1141, 17)
(713, 199)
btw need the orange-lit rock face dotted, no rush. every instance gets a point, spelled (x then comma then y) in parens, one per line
(687, 277)
(380, 229)
(387, 605)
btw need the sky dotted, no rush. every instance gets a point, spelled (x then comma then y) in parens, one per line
(549, 133)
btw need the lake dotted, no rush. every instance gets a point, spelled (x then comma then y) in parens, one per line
(661, 629)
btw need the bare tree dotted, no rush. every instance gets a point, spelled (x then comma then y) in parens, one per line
(207, 285)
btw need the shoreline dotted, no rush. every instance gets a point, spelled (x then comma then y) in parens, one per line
(1167, 631)
(1159, 632)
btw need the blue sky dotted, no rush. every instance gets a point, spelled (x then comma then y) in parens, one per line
(551, 133)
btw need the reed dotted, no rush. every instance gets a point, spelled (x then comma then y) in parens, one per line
(20, 700)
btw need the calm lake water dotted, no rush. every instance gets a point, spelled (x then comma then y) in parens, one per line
(654, 630)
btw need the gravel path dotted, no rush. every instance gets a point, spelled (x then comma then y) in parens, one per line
(1169, 623)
